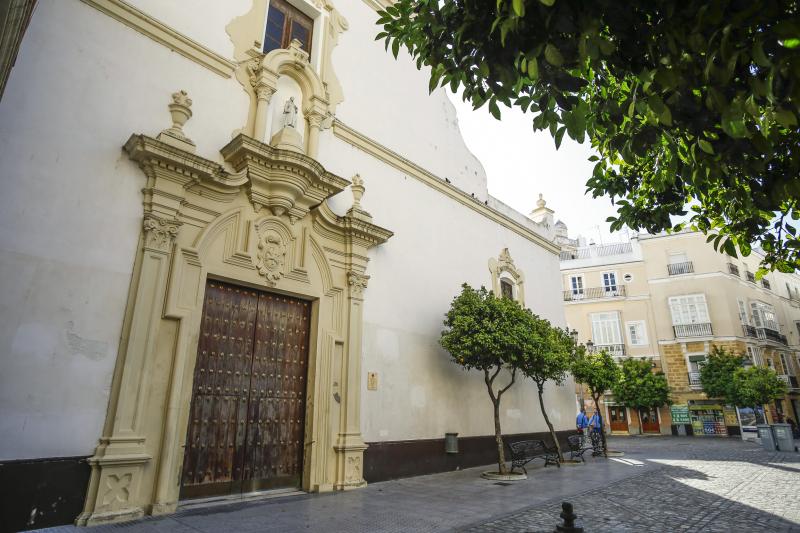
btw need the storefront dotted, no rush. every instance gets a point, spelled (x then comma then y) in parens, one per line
(707, 418)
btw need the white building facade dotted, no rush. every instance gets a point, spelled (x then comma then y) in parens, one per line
(184, 270)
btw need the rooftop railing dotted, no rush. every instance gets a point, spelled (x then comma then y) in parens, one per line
(733, 269)
(606, 250)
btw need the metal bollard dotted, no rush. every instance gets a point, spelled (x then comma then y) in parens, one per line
(569, 520)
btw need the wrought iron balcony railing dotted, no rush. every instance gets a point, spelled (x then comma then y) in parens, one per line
(616, 350)
(733, 269)
(694, 380)
(749, 331)
(771, 335)
(675, 269)
(693, 330)
(594, 293)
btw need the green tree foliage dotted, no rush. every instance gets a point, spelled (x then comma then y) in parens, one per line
(639, 387)
(487, 333)
(756, 386)
(547, 355)
(599, 372)
(685, 103)
(716, 374)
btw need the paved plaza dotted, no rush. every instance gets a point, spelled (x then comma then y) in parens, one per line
(660, 484)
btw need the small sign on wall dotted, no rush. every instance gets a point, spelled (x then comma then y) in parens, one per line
(372, 381)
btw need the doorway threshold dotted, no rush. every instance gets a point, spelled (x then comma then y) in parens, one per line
(214, 501)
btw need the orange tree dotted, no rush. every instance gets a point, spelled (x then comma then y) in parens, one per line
(685, 103)
(486, 333)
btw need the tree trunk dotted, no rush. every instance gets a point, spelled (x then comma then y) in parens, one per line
(602, 424)
(547, 421)
(498, 436)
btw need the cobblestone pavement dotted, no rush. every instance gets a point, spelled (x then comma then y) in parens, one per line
(661, 484)
(712, 489)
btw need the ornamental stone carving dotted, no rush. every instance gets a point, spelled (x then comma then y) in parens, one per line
(159, 233)
(357, 282)
(271, 256)
(181, 111)
(503, 267)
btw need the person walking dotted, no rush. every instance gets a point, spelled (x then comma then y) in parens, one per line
(581, 423)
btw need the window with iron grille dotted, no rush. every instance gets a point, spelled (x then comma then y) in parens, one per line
(285, 23)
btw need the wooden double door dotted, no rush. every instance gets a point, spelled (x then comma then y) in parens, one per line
(649, 420)
(618, 418)
(247, 417)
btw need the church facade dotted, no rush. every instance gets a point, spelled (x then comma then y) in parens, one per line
(230, 233)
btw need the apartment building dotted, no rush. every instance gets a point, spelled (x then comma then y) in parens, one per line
(670, 299)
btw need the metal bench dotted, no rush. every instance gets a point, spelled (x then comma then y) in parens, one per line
(525, 451)
(576, 447)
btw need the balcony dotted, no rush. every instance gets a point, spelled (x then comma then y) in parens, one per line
(594, 293)
(694, 380)
(615, 350)
(676, 269)
(791, 381)
(733, 269)
(749, 331)
(768, 334)
(692, 330)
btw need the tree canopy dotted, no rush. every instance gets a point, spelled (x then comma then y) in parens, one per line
(716, 374)
(686, 103)
(547, 355)
(755, 386)
(639, 387)
(487, 333)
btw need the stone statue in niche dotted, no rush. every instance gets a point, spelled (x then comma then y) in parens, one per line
(290, 114)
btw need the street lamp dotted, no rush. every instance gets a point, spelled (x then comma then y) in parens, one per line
(574, 335)
(589, 346)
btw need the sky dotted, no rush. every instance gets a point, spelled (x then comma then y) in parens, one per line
(521, 163)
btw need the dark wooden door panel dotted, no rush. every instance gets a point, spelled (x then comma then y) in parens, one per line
(247, 414)
(217, 424)
(274, 447)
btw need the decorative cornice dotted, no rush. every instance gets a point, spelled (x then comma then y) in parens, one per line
(377, 150)
(349, 228)
(164, 35)
(379, 4)
(283, 181)
(15, 19)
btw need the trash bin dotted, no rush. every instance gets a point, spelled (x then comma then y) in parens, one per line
(766, 436)
(783, 437)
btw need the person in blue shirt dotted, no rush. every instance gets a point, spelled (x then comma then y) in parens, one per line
(596, 422)
(582, 422)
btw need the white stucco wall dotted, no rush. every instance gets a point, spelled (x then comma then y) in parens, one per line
(438, 245)
(388, 100)
(71, 212)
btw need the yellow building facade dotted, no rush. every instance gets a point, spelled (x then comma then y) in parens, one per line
(671, 299)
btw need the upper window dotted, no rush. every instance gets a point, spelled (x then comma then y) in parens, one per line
(637, 334)
(285, 23)
(743, 312)
(764, 316)
(689, 309)
(576, 284)
(605, 328)
(610, 281)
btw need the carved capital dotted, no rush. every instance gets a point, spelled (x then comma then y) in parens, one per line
(357, 282)
(159, 233)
